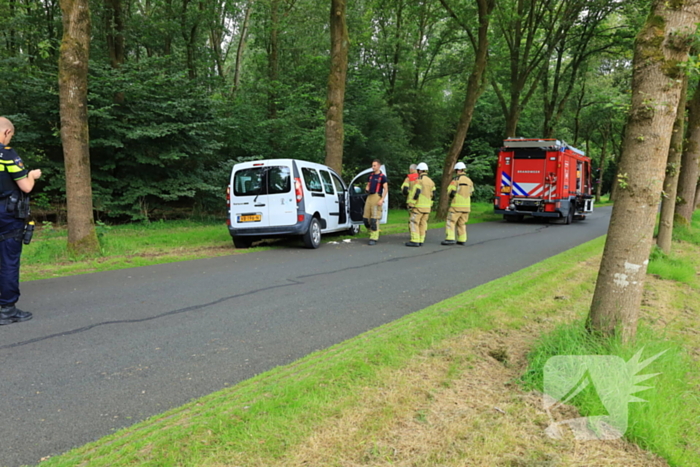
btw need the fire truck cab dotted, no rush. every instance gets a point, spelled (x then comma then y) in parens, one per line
(542, 178)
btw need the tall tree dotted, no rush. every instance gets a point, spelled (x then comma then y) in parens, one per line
(661, 49)
(475, 86)
(675, 151)
(528, 28)
(336, 86)
(72, 89)
(688, 178)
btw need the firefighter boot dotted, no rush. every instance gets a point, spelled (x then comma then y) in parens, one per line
(447, 242)
(10, 314)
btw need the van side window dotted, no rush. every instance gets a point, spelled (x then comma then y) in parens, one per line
(278, 180)
(313, 183)
(247, 182)
(327, 182)
(339, 187)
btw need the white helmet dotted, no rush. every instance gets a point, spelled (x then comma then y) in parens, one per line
(422, 166)
(460, 166)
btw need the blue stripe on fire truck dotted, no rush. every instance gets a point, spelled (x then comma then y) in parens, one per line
(517, 189)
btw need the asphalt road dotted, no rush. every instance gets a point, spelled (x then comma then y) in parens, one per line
(107, 350)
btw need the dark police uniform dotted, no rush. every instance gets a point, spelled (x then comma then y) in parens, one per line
(11, 228)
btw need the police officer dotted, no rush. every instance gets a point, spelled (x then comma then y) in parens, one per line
(460, 192)
(15, 181)
(378, 188)
(423, 197)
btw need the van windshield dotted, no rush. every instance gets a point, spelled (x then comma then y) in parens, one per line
(262, 180)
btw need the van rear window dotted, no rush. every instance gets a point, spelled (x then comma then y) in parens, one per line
(262, 180)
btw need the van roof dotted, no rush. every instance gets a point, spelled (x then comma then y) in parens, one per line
(287, 162)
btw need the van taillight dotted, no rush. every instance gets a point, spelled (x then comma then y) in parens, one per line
(228, 196)
(297, 189)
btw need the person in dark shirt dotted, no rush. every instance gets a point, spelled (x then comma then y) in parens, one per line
(378, 188)
(15, 181)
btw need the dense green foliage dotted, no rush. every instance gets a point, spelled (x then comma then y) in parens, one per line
(167, 119)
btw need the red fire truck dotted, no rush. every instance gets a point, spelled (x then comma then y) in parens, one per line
(542, 178)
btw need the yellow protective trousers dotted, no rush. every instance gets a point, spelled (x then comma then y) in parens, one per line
(372, 215)
(418, 225)
(456, 220)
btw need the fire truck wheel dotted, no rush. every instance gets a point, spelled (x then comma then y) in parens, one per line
(570, 215)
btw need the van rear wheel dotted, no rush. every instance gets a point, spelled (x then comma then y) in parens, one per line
(312, 237)
(242, 242)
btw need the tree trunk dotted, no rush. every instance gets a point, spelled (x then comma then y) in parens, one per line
(72, 89)
(475, 87)
(273, 60)
(688, 178)
(661, 49)
(601, 169)
(114, 19)
(336, 86)
(675, 150)
(241, 47)
(697, 196)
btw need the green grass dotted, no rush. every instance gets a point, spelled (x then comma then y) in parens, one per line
(667, 423)
(262, 418)
(671, 267)
(143, 244)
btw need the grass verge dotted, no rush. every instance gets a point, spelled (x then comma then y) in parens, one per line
(143, 244)
(288, 416)
(667, 423)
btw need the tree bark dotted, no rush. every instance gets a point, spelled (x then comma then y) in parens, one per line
(475, 86)
(601, 168)
(675, 150)
(241, 47)
(273, 60)
(336, 86)
(661, 49)
(114, 20)
(688, 178)
(72, 89)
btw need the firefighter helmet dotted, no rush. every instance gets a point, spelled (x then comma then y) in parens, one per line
(460, 166)
(422, 166)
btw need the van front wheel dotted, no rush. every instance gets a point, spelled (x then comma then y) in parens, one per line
(312, 237)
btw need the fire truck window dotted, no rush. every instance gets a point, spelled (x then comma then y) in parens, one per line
(530, 153)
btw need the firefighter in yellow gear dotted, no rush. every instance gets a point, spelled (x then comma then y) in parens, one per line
(407, 189)
(378, 188)
(460, 192)
(423, 196)
(408, 184)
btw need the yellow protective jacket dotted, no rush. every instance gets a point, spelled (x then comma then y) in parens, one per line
(423, 193)
(408, 188)
(460, 192)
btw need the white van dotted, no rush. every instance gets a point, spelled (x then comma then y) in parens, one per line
(289, 197)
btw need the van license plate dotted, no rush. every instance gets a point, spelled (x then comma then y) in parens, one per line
(250, 218)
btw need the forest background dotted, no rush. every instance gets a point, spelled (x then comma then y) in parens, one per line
(180, 90)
